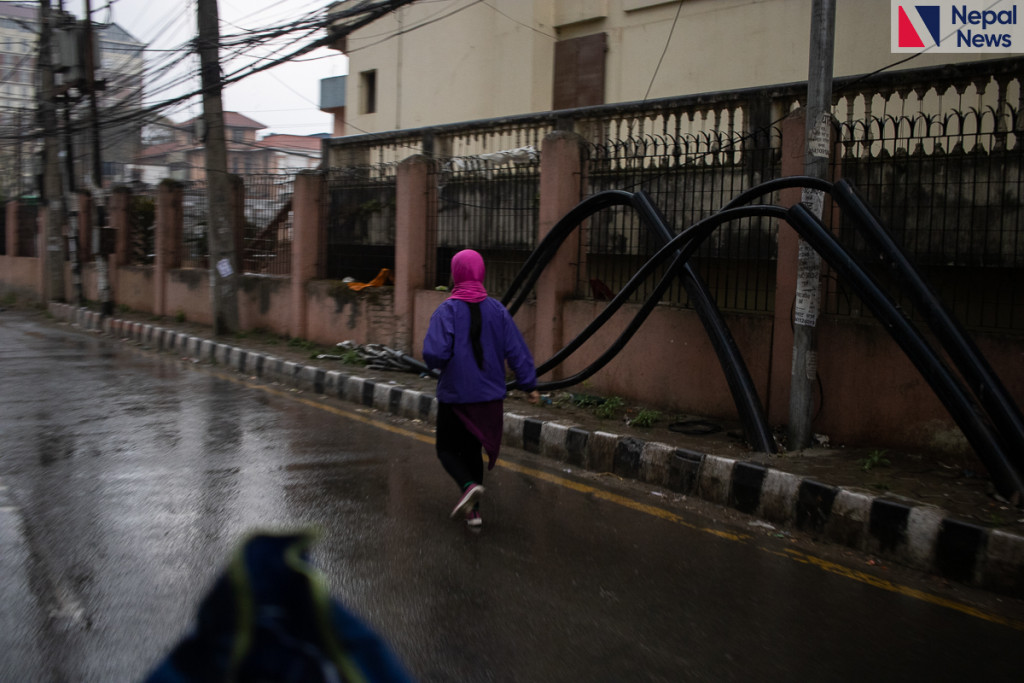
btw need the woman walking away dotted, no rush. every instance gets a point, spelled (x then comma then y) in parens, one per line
(470, 338)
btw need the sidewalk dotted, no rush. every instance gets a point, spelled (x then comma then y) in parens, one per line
(968, 537)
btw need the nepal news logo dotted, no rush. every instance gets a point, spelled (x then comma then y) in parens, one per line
(981, 26)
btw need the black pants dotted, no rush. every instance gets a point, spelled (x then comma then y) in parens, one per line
(457, 448)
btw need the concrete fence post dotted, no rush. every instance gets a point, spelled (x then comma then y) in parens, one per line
(168, 230)
(415, 242)
(560, 183)
(307, 202)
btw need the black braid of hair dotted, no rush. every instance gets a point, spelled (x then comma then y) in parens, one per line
(475, 327)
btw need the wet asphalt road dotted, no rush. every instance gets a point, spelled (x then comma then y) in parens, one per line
(127, 477)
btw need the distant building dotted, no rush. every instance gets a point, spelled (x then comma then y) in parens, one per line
(178, 151)
(292, 152)
(120, 70)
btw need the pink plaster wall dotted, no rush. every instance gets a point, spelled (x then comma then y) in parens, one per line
(188, 292)
(133, 287)
(263, 303)
(336, 313)
(21, 277)
(669, 364)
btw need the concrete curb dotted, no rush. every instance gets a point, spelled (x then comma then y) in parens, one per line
(900, 530)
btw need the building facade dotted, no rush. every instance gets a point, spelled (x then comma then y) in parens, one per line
(433, 63)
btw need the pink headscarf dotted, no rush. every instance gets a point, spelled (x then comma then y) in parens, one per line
(468, 276)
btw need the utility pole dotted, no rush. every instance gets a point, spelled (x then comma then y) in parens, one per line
(223, 260)
(69, 65)
(99, 202)
(818, 137)
(54, 251)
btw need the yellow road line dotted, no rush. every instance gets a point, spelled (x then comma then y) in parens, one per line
(660, 513)
(907, 591)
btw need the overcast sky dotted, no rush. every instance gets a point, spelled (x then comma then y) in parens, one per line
(285, 98)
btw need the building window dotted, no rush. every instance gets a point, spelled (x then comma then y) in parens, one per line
(237, 134)
(579, 72)
(368, 92)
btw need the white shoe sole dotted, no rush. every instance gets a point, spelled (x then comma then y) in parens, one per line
(467, 500)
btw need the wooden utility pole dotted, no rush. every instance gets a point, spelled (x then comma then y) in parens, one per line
(98, 195)
(223, 260)
(818, 136)
(54, 255)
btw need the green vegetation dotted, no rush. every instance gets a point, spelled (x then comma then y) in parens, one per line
(645, 418)
(352, 357)
(609, 407)
(875, 459)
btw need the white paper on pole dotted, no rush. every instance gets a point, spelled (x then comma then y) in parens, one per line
(805, 310)
(814, 200)
(821, 137)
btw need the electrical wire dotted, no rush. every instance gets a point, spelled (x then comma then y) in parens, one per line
(668, 40)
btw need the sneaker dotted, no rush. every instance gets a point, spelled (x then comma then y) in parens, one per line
(469, 497)
(474, 519)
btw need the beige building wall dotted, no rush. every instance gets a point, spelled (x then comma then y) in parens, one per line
(459, 60)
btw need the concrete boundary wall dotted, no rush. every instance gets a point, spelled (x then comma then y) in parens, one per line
(900, 530)
(868, 392)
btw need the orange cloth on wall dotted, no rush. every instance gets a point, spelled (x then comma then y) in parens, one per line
(382, 278)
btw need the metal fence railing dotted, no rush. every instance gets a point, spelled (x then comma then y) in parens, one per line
(360, 221)
(28, 228)
(267, 235)
(489, 203)
(688, 178)
(195, 251)
(948, 189)
(141, 222)
(267, 229)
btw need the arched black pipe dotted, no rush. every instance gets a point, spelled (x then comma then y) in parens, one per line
(769, 186)
(976, 371)
(548, 247)
(737, 376)
(681, 247)
(954, 397)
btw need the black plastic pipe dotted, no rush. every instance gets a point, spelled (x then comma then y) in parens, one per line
(769, 186)
(681, 247)
(976, 371)
(953, 396)
(548, 247)
(737, 376)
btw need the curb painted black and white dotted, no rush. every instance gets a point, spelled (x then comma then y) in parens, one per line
(900, 530)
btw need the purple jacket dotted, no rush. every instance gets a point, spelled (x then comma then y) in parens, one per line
(447, 348)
